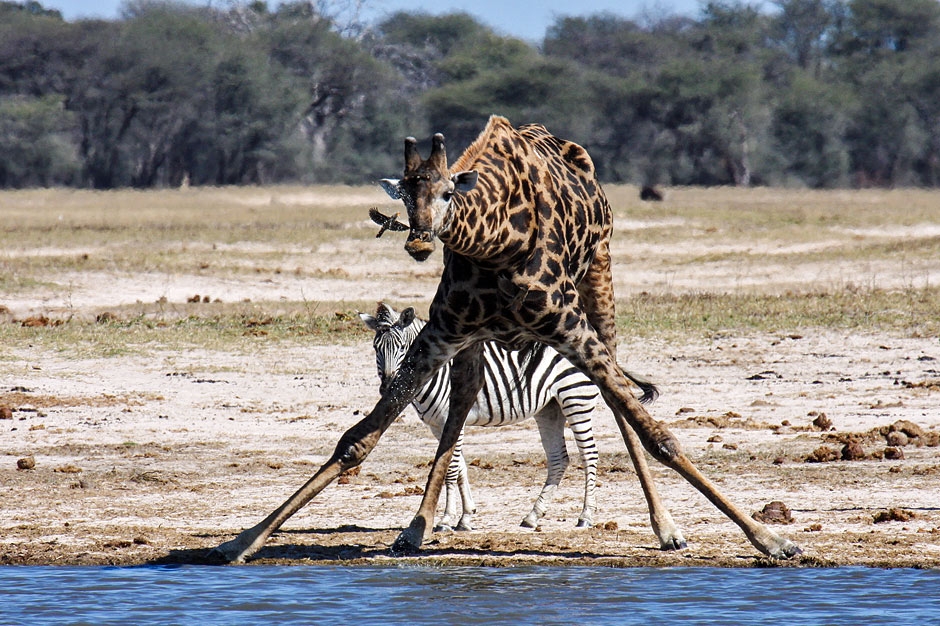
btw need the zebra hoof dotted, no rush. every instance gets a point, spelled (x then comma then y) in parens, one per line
(527, 524)
(444, 528)
(583, 523)
(464, 526)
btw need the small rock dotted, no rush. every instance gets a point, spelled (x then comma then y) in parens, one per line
(907, 427)
(897, 439)
(894, 514)
(26, 463)
(714, 439)
(730, 446)
(894, 454)
(853, 451)
(775, 512)
(813, 528)
(822, 422)
(822, 454)
(779, 460)
(106, 317)
(6, 413)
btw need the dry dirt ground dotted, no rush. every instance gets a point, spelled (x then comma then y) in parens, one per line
(160, 457)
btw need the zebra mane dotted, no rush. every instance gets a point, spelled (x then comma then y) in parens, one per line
(385, 315)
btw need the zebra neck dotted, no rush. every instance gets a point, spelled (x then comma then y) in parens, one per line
(433, 399)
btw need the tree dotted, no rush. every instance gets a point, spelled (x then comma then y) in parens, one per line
(881, 46)
(35, 150)
(808, 126)
(802, 29)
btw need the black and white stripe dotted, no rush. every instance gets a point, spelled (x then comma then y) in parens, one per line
(520, 384)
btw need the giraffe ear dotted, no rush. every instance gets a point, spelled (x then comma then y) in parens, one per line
(464, 181)
(390, 185)
(370, 322)
(407, 317)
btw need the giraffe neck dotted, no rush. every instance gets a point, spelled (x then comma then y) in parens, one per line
(495, 222)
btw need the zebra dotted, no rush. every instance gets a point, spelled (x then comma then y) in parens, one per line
(518, 385)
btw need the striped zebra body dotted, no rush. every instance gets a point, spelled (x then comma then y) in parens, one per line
(538, 383)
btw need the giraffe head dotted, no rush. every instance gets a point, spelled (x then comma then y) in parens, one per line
(427, 189)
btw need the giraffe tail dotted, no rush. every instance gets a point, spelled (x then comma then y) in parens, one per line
(650, 391)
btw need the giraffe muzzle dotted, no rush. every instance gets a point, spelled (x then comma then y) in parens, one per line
(420, 244)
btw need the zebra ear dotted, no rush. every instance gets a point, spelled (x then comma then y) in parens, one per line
(370, 322)
(407, 317)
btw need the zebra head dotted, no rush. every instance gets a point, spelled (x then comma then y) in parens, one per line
(394, 334)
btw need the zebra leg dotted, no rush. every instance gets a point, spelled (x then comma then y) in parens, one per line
(466, 381)
(450, 484)
(552, 432)
(456, 484)
(463, 485)
(581, 428)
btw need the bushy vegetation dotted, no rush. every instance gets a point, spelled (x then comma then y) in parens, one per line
(815, 93)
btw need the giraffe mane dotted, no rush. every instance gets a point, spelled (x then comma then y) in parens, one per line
(495, 124)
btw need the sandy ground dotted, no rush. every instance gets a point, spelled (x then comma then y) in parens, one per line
(161, 458)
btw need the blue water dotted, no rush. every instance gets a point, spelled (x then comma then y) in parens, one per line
(466, 595)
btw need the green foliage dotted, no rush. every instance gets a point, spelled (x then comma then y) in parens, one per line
(34, 146)
(819, 93)
(808, 125)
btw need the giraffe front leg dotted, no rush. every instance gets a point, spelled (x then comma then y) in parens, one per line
(352, 449)
(466, 381)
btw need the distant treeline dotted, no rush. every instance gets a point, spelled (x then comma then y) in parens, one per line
(816, 93)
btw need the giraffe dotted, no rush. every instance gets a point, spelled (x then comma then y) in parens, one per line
(526, 232)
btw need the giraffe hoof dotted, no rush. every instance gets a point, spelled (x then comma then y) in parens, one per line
(217, 557)
(583, 523)
(676, 543)
(788, 550)
(406, 543)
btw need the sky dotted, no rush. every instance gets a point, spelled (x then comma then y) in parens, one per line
(525, 19)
